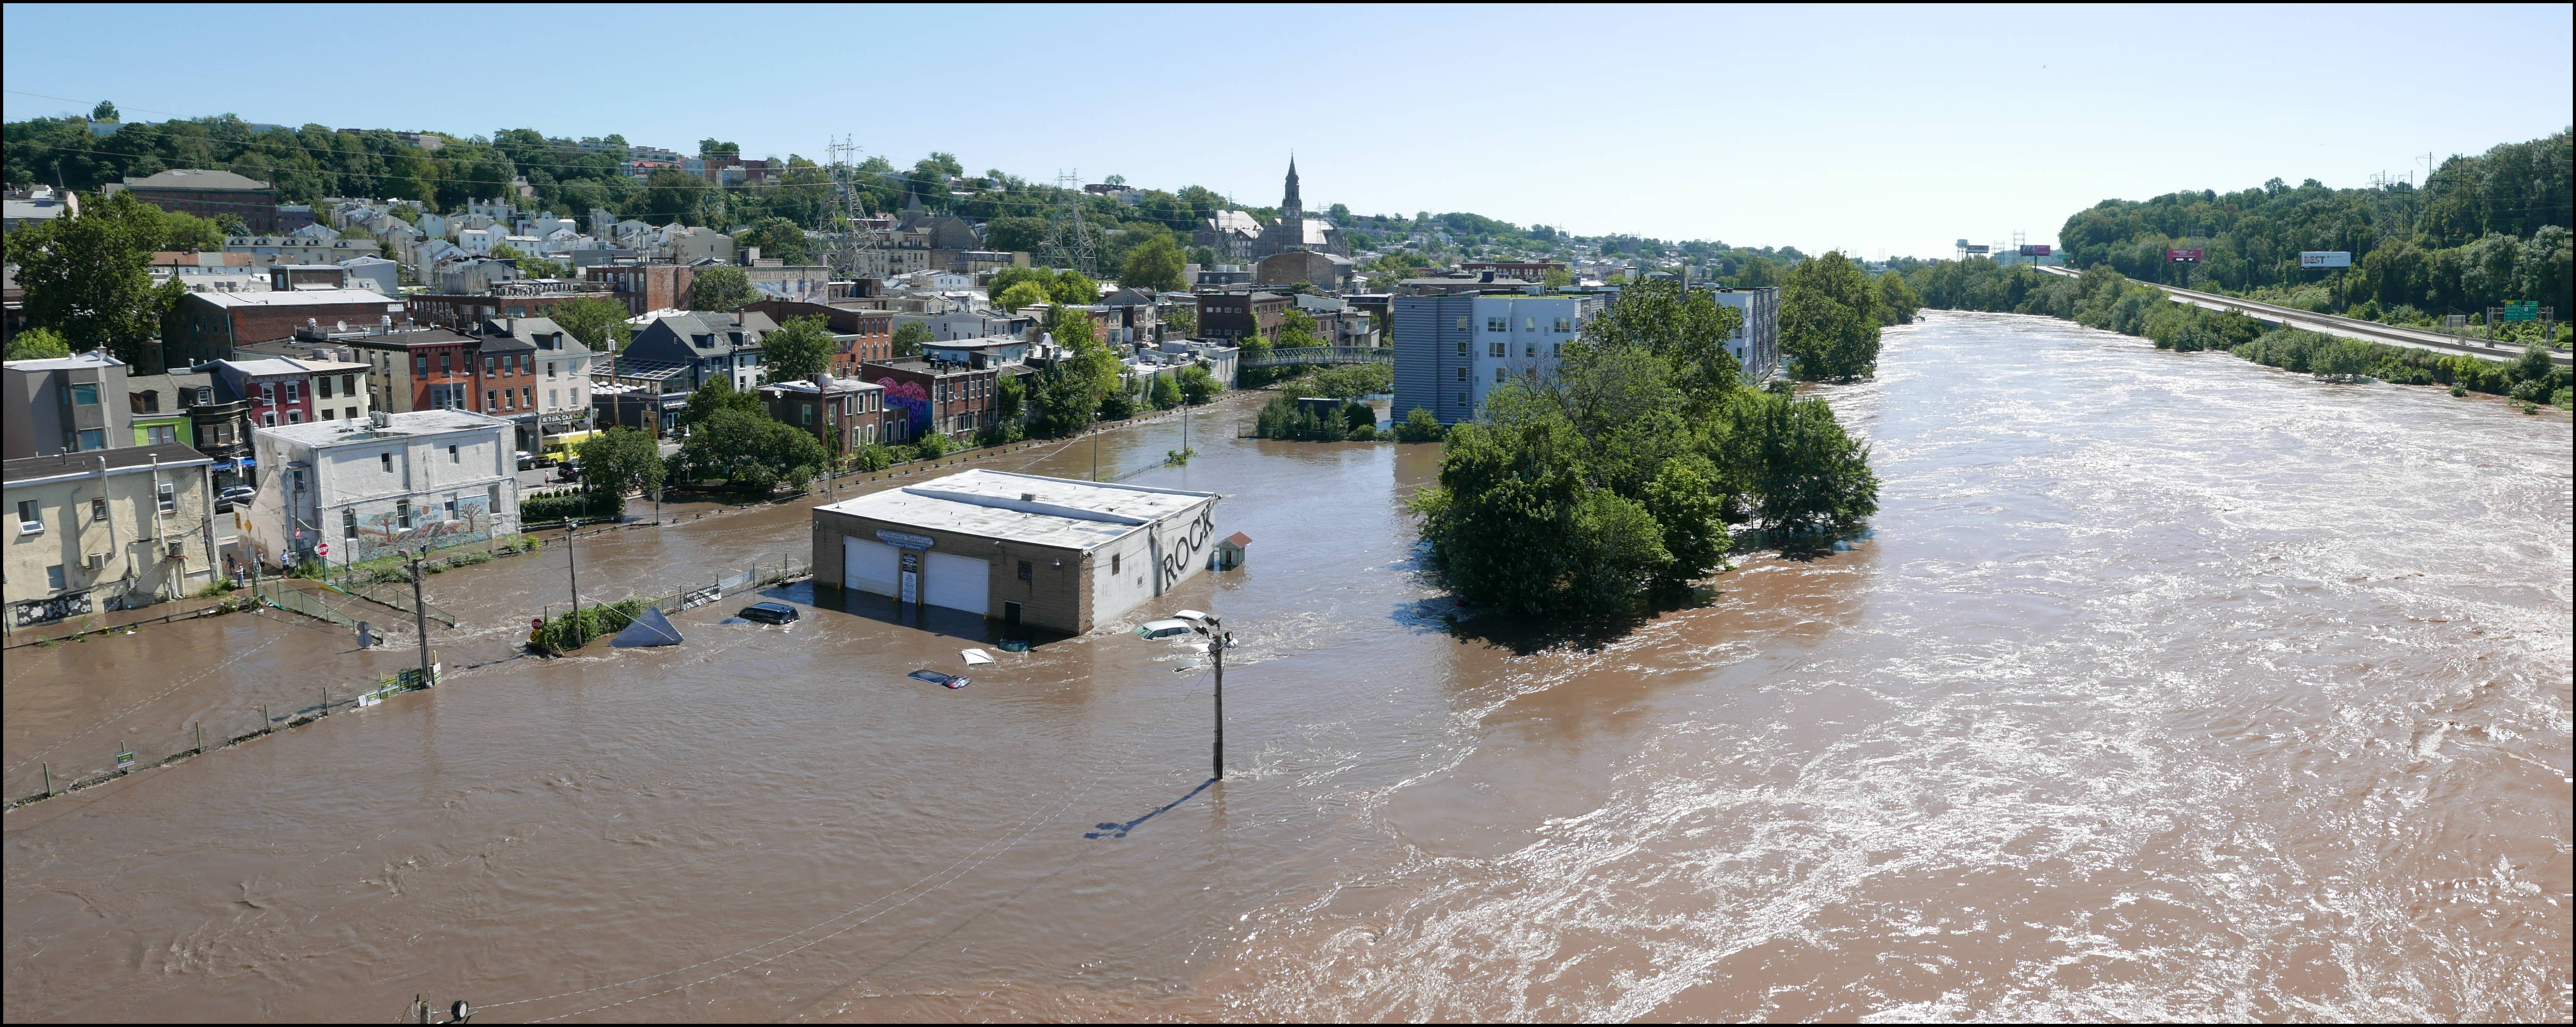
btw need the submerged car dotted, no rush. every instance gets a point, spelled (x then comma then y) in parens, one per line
(1163, 628)
(769, 613)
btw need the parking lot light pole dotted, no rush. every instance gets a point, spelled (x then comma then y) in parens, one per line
(1218, 641)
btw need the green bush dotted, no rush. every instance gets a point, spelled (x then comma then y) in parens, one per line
(1419, 426)
(567, 504)
(563, 634)
(872, 457)
(933, 446)
(903, 454)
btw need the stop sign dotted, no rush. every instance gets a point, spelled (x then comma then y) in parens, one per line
(323, 548)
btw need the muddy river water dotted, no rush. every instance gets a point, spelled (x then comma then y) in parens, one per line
(2163, 686)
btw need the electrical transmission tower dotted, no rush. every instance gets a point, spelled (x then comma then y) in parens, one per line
(1068, 239)
(851, 243)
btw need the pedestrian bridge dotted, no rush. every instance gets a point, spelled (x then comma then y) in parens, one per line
(1319, 355)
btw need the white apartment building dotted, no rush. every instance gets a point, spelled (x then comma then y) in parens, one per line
(387, 484)
(1520, 335)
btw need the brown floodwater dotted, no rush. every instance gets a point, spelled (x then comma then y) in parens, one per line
(2163, 686)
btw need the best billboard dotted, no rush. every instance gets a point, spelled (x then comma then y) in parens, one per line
(2034, 251)
(2312, 259)
(2183, 256)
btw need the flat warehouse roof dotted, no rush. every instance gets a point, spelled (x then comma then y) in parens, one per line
(1029, 508)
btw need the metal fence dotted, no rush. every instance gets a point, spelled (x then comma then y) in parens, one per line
(97, 757)
(760, 575)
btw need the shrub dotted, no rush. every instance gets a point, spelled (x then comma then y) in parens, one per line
(933, 446)
(1419, 426)
(563, 634)
(566, 504)
(872, 458)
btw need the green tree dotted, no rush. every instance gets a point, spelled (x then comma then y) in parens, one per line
(1074, 287)
(1829, 320)
(1557, 278)
(779, 239)
(1690, 332)
(1022, 295)
(1010, 401)
(750, 451)
(908, 338)
(1807, 471)
(1015, 234)
(620, 461)
(717, 396)
(1419, 426)
(1184, 320)
(721, 287)
(599, 324)
(799, 349)
(1155, 264)
(38, 344)
(1198, 385)
(1164, 393)
(1896, 300)
(105, 111)
(89, 278)
(2533, 365)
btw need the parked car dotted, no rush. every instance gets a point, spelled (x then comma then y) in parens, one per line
(1162, 628)
(769, 613)
(527, 460)
(233, 494)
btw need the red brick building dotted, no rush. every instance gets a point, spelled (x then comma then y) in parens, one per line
(865, 333)
(207, 194)
(949, 398)
(205, 326)
(448, 310)
(644, 288)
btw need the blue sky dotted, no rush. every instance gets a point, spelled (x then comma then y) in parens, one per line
(1880, 130)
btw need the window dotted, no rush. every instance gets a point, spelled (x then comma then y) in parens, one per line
(147, 401)
(553, 398)
(1462, 374)
(452, 456)
(268, 420)
(1498, 376)
(1564, 324)
(402, 513)
(805, 413)
(348, 385)
(167, 494)
(93, 438)
(321, 387)
(85, 394)
(1113, 563)
(1462, 399)
(443, 367)
(451, 506)
(1498, 324)
(1530, 350)
(1462, 347)
(98, 509)
(295, 392)
(161, 434)
(268, 394)
(350, 413)
(491, 399)
(386, 460)
(31, 518)
(1462, 324)
(550, 369)
(420, 364)
(349, 523)
(54, 577)
(1498, 349)
(1024, 570)
(492, 499)
(205, 396)
(528, 397)
(327, 414)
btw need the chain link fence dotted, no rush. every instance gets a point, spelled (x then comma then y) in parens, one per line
(94, 757)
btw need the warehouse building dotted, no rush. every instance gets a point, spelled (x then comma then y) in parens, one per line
(1028, 551)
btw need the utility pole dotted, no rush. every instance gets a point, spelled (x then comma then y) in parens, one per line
(1217, 642)
(420, 619)
(573, 568)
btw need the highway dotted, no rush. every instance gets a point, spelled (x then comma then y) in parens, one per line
(2345, 327)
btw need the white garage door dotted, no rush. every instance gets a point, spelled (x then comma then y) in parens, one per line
(957, 582)
(869, 565)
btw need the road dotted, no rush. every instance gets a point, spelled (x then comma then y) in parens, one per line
(2350, 328)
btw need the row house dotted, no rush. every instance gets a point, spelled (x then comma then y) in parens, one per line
(106, 531)
(265, 250)
(952, 398)
(863, 334)
(644, 288)
(1236, 316)
(706, 345)
(527, 371)
(296, 390)
(844, 413)
(510, 299)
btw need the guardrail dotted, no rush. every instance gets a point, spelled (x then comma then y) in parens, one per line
(2336, 324)
(1318, 355)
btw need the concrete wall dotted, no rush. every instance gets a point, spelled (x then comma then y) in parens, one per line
(134, 537)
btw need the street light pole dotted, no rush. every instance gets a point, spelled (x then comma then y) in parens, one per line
(1218, 640)
(420, 619)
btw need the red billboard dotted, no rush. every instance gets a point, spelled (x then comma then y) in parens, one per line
(2034, 251)
(2183, 256)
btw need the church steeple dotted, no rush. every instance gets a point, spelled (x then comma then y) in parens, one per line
(1291, 206)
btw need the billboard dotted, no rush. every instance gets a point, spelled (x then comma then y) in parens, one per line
(1979, 248)
(2183, 256)
(2313, 259)
(2034, 251)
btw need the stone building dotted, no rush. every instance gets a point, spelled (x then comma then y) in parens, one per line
(1295, 231)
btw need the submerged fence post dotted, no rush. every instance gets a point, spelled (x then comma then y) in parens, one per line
(263, 718)
(49, 780)
(201, 736)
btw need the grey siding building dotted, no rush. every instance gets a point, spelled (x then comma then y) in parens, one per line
(1434, 356)
(65, 405)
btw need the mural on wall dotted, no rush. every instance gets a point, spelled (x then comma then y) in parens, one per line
(803, 290)
(1181, 555)
(381, 533)
(913, 400)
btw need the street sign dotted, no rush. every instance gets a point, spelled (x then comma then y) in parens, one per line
(2034, 251)
(2310, 260)
(2183, 256)
(1974, 249)
(322, 549)
(2522, 310)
